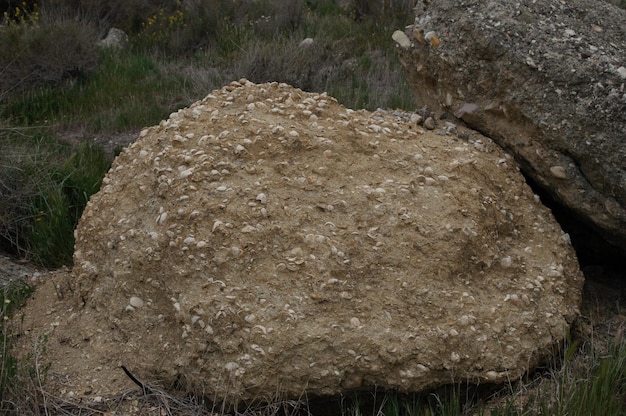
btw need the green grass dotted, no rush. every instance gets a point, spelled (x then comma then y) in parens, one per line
(46, 185)
(12, 296)
(595, 386)
(446, 401)
(139, 86)
(128, 91)
(581, 381)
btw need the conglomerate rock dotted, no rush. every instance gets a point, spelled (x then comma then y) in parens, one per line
(266, 242)
(545, 80)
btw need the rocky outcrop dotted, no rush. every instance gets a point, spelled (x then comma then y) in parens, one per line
(545, 80)
(267, 241)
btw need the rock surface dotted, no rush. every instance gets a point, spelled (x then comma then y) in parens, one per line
(267, 241)
(545, 80)
(116, 38)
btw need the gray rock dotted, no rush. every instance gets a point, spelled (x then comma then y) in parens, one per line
(451, 127)
(545, 80)
(116, 38)
(429, 123)
(306, 42)
(416, 118)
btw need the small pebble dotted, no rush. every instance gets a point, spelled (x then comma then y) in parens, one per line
(558, 172)
(136, 302)
(491, 375)
(416, 118)
(262, 198)
(401, 39)
(506, 262)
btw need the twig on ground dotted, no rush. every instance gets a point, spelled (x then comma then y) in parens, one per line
(146, 390)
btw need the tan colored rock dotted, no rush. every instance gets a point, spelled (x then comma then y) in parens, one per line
(401, 39)
(324, 261)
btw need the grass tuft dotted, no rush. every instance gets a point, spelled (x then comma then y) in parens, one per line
(127, 91)
(45, 185)
(13, 294)
(589, 379)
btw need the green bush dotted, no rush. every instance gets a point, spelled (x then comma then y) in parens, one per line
(369, 80)
(45, 187)
(201, 24)
(324, 7)
(128, 91)
(194, 46)
(261, 61)
(36, 51)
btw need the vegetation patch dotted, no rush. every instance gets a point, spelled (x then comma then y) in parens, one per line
(45, 185)
(12, 296)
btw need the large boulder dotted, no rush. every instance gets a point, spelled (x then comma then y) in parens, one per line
(267, 241)
(545, 80)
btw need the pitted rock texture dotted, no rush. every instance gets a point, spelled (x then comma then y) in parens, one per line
(545, 79)
(267, 241)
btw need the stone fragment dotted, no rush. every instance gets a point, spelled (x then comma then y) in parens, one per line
(401, 39)
(429, 123)
(136, 302)
(306, 42)
(115, 39)
(416, 118)
(558, 172)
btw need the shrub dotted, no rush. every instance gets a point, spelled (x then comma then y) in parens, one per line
(12, 296)
(199, 24)
(128, 90)
(179, 29)
(45, 186)
(353, 68)
(281, 60)
(325, 7)
(36, 50)
(381, 8)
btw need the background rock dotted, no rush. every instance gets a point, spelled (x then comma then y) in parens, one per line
(545, 80)
(266, 242)
(116, 38)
